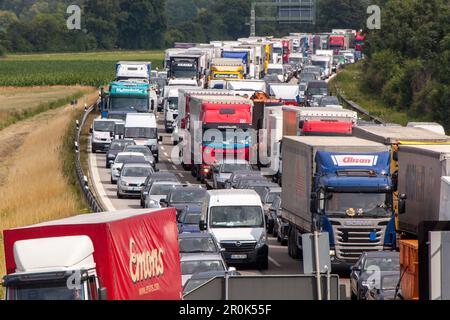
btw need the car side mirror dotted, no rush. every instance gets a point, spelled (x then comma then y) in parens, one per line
(402, 203)
(202, 225)
(231, 269)
(163, 202)
(222, 250)
(102, 294)
(156, 170)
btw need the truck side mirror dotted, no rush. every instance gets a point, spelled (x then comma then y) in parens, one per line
(402, 203)
(313, 203)
(102, 294)
(202, 225)
(160, 138)
(90, 130)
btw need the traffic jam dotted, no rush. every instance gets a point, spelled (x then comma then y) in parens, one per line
(219, 163)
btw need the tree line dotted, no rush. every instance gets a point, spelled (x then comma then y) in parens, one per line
(408, 59)
(40, 25)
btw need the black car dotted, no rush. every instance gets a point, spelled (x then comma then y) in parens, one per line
(185, 196)
(115, 148)
(369, 270)
(157, 176)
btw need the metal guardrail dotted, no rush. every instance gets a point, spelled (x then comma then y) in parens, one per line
(356, 107)
(83, 181)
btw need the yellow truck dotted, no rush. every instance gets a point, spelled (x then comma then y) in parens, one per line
(226, 69)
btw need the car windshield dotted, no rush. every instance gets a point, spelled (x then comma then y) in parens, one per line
(124, 158)
(236, 217)
(136, 172)
(48, 291)
(232, 167)
(161, 189)
(173, 103)
(389, 282)
(275, 71)
(197, 244)
(307, 77)
(191, 267)
(191, 218)
(119, 145)
(357, 204)
(129, 104)
(383, 263)
(104, 126)
(143, 133)
(187, 196)
(318, 91)
(329, 101)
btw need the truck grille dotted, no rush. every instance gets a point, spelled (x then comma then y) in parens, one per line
(238, 246)
(351, 242)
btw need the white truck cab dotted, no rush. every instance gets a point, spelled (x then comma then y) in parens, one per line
(276, 69)
(236, 219)
(142, 128)
(53, 274)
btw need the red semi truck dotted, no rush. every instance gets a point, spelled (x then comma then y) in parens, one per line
(219, 128)
(122, 255)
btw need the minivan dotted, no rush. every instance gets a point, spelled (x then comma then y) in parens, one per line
(236, 219)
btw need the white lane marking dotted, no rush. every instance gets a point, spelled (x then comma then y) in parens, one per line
(274, 262)
(166, 154)
(174, 167)
(162, 147)
(180, 175)
(98, 185)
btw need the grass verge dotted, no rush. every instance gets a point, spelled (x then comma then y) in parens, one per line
(40, 183)
(349, 83)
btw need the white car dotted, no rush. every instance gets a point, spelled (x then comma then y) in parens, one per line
(123, 157)
(159, 190)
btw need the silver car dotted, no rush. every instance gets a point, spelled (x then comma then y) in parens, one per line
(222, 172)
(200, 262)
(159, 190)
(121, 158)
(132, 179)
(144, 150)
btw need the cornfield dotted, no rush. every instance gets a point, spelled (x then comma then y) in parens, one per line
(87, 69)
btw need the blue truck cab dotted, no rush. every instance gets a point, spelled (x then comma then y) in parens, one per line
(125, 97)
(353, 203)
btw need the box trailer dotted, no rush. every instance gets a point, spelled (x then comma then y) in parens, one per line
(122, 255)
(339, 185)
(420, 178)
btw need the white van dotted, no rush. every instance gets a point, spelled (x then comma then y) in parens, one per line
(236, 219)
(142, 128)
(102, 132)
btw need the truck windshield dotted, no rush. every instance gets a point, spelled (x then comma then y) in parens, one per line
(277, 50)
(179, 71)
(363, 204)
(129, 104)
(142, 133)
(173, 103)
(232, 167)
(104, 126)
(46, 291)
(228, 138)
(321, 64)
(275, 71)
(236, 217)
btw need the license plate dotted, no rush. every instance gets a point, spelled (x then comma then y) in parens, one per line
(135, 189)
(238, 256)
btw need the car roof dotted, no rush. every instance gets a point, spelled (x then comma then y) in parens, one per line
(205, 235)
(382, 254)
(185, 187)
(167, 182)
(130, 154)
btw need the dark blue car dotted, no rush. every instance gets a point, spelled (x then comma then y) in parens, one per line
(189, 218)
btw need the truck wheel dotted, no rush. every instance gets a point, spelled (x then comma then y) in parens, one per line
(270, 228)
(292, 245)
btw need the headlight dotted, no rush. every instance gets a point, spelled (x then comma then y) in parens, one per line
(332, 253)
(262, 240)
(124, 183)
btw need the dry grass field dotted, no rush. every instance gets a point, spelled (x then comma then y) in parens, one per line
(18, 103)
(34, 186)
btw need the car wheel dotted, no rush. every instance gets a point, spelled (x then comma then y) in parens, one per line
(278, 238)
(119, 195)
(108, 166)
(275, 232)
(175, 143)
